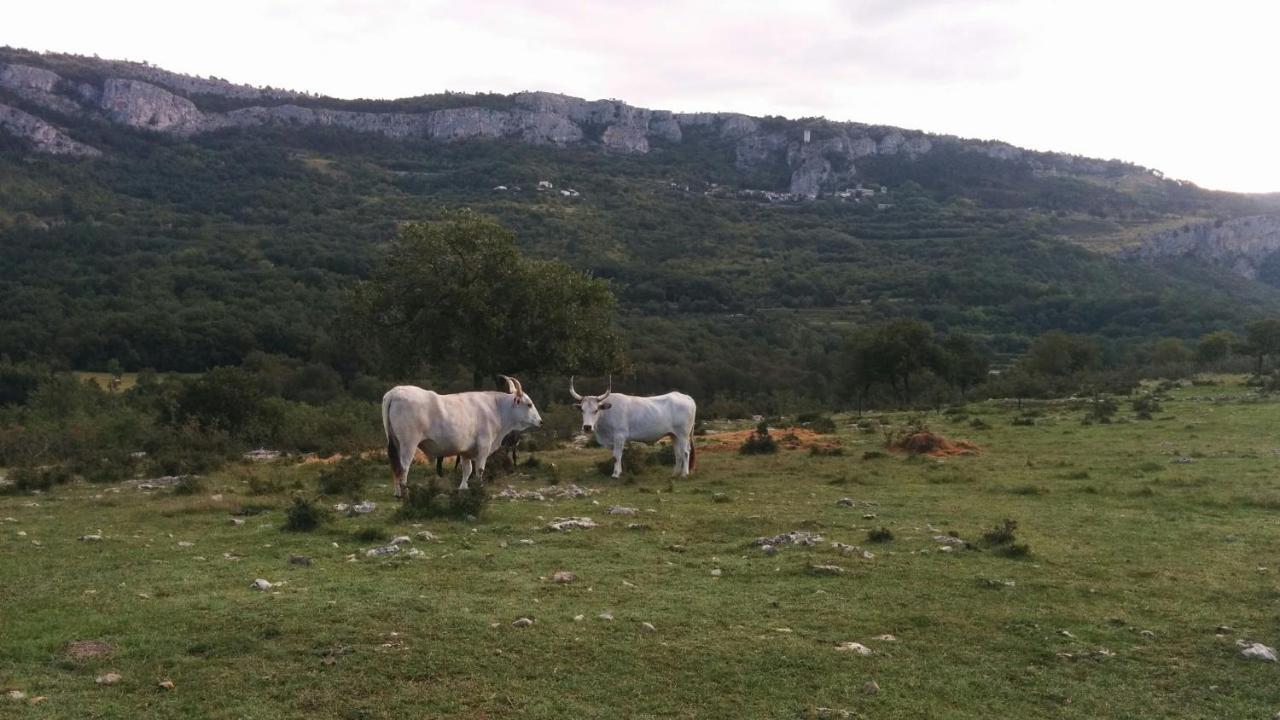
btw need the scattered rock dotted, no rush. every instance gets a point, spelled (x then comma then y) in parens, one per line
(570, 523)
(648, 627)
(16, 695)
(716, 572)
(869, 516)
(363, 508)
(563, 577)
(37, 700)
(110, 678)
(996, 583)
(1146, 633)
(185, 543)
(300, 560)
(638, 526)
(768, 549)
(261, 584)
(847, 502)
(90, 538)
(579, 618)
(1258, 651)
(523, 622)
(606, 616)
(853, 647)
(262, 455)
(237, 522)
(795, 537)
(425, 535)
(871, 687)
(720, 497)
(383, 551)
(949, 540)
(401, 540)
(1066, 634)
(622, 510)
(166, 684)
(885, 638)
(826, 570)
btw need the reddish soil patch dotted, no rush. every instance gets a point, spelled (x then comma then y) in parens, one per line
(88, 649)
(792, 438)
(927, 443)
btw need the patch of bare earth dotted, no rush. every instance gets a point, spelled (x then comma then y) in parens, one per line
(927, 443)
(89, 649)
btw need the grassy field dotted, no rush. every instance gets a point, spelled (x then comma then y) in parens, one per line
(1144, 537)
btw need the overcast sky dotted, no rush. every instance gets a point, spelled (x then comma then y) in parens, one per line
(1185, 87)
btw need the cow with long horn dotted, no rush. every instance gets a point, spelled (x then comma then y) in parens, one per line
(470, 425)
(616, 418)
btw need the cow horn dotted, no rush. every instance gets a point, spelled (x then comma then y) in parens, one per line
(610, 390)
(573, 392)
(519, 387)
(511, 384)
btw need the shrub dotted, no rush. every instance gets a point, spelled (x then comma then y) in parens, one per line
(305, 515)
(429, 501)
(189, 485)
(759, 443)
(1024, 421)
(821, 424)
(1101, 409)
(28, 480)
(826, 451)
(979, 424)
(1002, 534)
(879, 535)
(1002, 537)
(345, 477)
(874, 455)
(371, 534)
(1144, 406)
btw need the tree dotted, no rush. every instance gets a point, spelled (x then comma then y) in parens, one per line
(458, 291)
(1262, 339)
(892, 352)
(1169, 351)
(964, 364)
(1058, 354)
(1215, 346)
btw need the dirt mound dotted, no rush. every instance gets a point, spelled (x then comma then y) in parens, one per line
(791, 438)
(927, 443)
(87, 649)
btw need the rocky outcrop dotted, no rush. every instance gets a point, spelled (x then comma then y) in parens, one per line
(43, 137)
(1241, 245)
(820, 155)
(142, 105)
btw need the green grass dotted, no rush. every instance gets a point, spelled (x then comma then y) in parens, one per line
(1122, 540)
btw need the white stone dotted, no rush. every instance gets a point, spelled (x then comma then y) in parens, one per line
(853, 647)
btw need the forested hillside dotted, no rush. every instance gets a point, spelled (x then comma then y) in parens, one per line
(186, 251)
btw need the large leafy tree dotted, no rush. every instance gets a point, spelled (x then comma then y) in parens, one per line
(459, 292)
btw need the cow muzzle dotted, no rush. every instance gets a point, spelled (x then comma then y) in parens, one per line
(586, 428)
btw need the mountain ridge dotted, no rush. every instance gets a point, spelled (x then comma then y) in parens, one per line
(821, 155)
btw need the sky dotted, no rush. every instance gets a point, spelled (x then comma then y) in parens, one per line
(1184, 87)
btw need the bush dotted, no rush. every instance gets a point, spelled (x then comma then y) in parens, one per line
(305, 515)
(821, 424)
(826, 451)
(28, 480)
(1003, 539)
(1101, 409)
(371, 534)
(429, 501)
(345, 477)
(874, 455)
(189, 485)
(979, 424)
(1145, 406)
(879, 535)
(759, 443)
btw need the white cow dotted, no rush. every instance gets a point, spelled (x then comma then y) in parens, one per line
(470, 425)
(616, 418)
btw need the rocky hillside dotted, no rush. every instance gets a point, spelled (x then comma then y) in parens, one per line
(1247, 246)
(817, 155)
(178, 222)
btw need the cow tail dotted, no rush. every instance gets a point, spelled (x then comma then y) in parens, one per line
(393, 446)
(693, 454)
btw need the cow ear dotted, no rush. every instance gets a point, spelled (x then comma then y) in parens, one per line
(577, 406)
(605, 406)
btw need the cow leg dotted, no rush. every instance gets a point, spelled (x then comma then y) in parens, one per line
(618, 446)
(480, 463)
(466, 472)
(401, 483)
(681, 445)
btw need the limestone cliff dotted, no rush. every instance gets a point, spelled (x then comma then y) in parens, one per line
(820, 155)
(43, 137)
(1241, 245)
